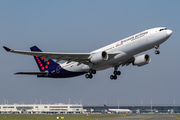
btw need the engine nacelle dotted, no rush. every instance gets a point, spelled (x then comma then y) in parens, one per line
(99, 57)
(142, 60)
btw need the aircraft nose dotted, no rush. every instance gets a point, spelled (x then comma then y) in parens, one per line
(169, 32)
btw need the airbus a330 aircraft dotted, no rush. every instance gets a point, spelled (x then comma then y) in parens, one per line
(114, 55)
(117, 110)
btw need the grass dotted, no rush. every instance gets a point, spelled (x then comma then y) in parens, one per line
(54, 117)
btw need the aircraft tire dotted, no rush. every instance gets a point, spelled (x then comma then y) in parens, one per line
(115, 77)
(112, 77)
(157, 52)
(90, 76)
(93, 71)
(87, 76)
(118, 72)
(115, 72)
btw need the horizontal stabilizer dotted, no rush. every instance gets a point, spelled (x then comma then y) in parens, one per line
(31, 73)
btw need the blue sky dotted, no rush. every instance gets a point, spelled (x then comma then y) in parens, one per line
(83, 26)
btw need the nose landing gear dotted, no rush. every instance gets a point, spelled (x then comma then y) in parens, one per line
(157, 51)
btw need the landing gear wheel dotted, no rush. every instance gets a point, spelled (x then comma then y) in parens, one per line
(117, 72)
(92, 71)
(113, 77)
(88, 76)
(157, 52)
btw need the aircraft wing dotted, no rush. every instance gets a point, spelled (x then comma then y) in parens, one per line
(78, 57)
(127, 62)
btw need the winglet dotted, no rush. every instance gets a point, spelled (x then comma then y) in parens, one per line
(6, 48)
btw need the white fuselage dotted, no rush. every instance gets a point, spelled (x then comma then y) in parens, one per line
(120, 110)
(126, 48)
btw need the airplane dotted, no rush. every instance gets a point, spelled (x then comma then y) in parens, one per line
(117, 110)
(117, 54)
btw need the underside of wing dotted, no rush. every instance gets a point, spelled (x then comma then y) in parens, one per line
(127, 62)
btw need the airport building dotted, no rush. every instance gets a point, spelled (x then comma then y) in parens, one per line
(66, 108)
(137, 108)
(41, 108)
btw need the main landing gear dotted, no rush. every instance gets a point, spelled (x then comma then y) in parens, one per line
(90, 74)
(157, 51)
(114, 77)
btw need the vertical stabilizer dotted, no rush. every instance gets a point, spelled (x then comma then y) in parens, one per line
(106, 108)
(43, 64)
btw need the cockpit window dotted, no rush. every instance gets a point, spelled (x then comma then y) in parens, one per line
(163, 29)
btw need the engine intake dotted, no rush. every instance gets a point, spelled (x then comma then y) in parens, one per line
(99, 57)
(142, 60)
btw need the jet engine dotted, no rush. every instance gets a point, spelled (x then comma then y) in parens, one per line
(99, 57)
(142, 60)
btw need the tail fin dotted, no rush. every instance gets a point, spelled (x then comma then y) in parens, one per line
(41, 62)
(106, 108)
